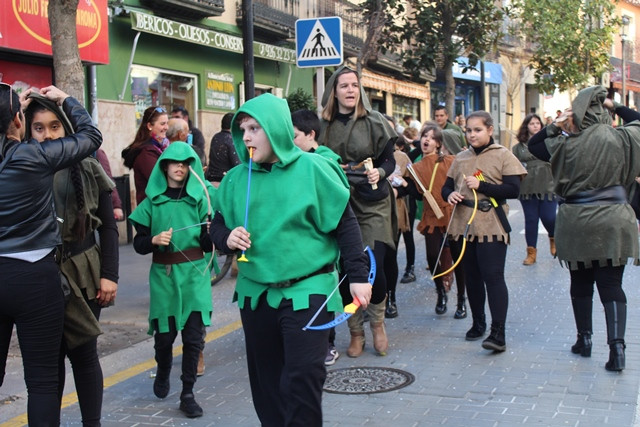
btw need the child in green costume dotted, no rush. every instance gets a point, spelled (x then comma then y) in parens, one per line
(171, 224)
(300, 221)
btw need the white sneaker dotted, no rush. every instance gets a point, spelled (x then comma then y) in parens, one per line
(332, 356)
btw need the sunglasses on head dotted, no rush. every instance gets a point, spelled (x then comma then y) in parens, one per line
(10, 96)
(160, 110)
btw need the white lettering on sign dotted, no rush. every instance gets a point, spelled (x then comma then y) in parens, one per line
(202, 36)
(154, 24)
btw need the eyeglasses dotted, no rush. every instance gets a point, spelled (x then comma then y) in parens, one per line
(161, 110)
(10, 97)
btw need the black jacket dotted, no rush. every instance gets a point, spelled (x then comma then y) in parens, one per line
(27, 215)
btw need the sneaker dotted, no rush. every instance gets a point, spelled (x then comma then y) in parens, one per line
(332, 356)
(189, 406)
(161, 386)
(408, 277)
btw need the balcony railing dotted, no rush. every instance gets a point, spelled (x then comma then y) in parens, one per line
(186, 9)
(278, 17)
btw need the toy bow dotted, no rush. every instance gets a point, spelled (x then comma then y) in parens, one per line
(209, 216)
(464, 237)
(349, 309)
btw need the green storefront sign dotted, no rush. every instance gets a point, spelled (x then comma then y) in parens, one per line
(188, 33)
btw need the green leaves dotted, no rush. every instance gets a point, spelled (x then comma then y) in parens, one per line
(570, 39)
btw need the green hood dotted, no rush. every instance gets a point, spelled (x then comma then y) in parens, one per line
(274, 116)
(588, 109)
(178, 151)
(37, 99)
(332, 82)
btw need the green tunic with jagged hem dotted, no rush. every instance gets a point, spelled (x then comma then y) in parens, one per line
(293, 210)
(596, 157)
(185, 287)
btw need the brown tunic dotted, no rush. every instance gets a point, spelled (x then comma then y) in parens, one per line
(402, 160)
(495, 162)
(424, 169)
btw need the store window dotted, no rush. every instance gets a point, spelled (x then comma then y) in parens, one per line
(403, 106)
(167, 89)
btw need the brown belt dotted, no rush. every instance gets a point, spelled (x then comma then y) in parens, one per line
(288, 283)
(168, 258)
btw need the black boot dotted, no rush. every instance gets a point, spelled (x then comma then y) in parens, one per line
(582, 309)
(495, 341)
(461, 310)
(408, 275)
(616, 315)
(478, 328)
(391, 310)
(441, 305)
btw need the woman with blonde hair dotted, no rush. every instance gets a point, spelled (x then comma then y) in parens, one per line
(357, 133)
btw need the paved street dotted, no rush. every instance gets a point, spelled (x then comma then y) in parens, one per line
(537, 381)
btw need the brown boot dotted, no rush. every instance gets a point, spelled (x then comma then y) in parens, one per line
(376, 316)
(356, 328)
(552, 246)
(356, 345)
(531, 256)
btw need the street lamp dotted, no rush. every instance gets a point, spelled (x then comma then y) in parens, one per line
(624, 30)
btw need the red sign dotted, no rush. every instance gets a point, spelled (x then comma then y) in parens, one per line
(24, 26)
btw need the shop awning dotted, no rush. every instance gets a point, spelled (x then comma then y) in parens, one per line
(398, 87)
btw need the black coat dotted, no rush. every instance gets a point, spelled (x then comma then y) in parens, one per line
(27, 215)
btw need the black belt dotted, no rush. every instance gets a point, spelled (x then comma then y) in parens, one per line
(288, 283)
(616, 194)
(72, 249)
(485, 205)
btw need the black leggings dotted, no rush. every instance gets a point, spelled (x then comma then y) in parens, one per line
(484, 277)
(31, 298)
(433, 242)
(192, 333)
(608, 280)
(386, 265)
(87, 373)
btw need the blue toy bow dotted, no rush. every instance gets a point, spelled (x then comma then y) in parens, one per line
(349, 309)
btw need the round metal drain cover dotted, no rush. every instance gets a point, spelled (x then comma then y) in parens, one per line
(366, 380)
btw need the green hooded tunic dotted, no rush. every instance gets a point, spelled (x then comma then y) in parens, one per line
(596, 157)
(185, 287)
(358, 140)
(293, 209)
(539, 181)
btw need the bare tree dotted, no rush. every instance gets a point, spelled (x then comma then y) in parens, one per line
(67, 66)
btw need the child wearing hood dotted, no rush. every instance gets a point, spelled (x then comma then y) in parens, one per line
(171, 223)
(298, 222)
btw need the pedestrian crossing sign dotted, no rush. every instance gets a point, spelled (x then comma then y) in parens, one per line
(319, 42)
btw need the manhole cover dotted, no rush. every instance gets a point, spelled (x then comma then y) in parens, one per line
(366, 380)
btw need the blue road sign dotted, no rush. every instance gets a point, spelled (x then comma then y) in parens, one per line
(319, 42)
